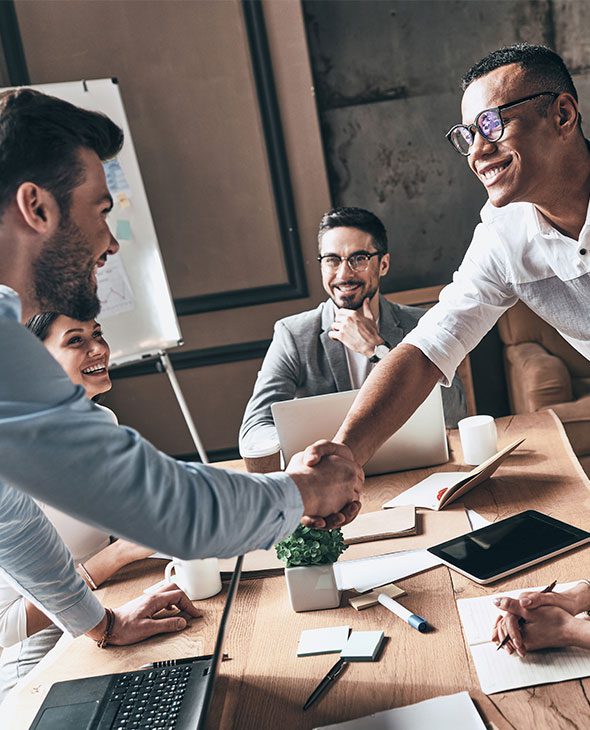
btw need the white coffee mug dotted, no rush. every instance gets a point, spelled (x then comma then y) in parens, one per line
(479, 439)
(198, 578)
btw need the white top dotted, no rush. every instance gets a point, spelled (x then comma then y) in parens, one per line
(359, 366)
(82, 540)
(515, 254)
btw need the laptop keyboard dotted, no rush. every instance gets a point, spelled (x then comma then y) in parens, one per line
(146, 699)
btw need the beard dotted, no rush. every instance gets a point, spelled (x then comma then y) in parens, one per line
(63, 278)
(355, 300)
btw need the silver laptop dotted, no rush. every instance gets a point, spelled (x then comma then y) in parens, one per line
(421, 441)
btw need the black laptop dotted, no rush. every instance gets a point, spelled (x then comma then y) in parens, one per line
(176, 697)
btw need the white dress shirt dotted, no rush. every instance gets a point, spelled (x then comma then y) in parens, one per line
(515, 254)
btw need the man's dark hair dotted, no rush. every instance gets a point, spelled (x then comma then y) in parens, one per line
(543, 67)
(359, 218)
(40, 137)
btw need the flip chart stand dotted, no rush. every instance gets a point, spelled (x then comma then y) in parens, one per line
(169, 370)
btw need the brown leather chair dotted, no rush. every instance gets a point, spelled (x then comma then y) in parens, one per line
(544, 371)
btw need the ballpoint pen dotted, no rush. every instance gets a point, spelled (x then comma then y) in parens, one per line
(325, 683)
(521, 620)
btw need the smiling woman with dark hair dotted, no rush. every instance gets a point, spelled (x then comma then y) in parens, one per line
(83, 353)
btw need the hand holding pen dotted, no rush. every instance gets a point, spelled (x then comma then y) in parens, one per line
(515, 619)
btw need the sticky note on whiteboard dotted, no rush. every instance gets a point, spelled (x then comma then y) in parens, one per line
(124, 232)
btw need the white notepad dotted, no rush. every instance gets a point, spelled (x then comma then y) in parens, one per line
(499, 671)
(363, 646)
(449, 712)
(322, 641)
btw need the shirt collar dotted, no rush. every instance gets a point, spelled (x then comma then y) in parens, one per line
(10, 306)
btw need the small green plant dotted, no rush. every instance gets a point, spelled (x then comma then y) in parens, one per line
(307, 546)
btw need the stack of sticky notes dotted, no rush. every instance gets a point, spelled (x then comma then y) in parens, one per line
(366, 600)
(363, 646)
(322, 641)
(358, 646)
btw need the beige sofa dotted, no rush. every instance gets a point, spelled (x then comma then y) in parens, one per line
(544, 371)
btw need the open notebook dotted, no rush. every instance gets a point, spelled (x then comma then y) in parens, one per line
(499, 671)
(441, 488)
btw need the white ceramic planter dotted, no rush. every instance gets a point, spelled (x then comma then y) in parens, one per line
(312, 587)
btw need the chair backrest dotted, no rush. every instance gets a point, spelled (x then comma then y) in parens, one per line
(519, 324)
(428, 297)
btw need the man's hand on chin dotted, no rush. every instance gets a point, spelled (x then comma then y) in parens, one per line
(330, 483)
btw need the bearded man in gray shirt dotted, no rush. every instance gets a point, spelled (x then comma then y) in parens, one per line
(56, 445)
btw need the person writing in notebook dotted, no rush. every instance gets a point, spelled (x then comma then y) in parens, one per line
(544, 620)
(522, 138)
(335, 346)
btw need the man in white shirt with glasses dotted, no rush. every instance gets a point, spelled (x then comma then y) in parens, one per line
(521, 136)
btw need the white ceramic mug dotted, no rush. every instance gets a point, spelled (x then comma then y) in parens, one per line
(479, 439)
(198, 578)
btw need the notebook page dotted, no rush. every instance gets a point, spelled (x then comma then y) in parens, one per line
(499, 671)
(478, 615)
(448, 712)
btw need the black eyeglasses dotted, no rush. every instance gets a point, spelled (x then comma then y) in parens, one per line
(357, 261)
(488, 123)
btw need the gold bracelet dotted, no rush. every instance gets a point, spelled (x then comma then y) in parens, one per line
(103, 642)
(87, 577)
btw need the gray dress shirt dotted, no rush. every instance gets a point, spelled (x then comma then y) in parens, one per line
(57, 446)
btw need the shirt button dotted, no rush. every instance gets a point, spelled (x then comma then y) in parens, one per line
(583, 252)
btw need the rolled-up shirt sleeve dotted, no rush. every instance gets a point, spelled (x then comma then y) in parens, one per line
(37, 564)
(468, 307)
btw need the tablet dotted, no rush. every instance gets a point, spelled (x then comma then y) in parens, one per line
(510, 545)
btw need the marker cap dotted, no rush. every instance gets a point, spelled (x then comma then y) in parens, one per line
(419, 623)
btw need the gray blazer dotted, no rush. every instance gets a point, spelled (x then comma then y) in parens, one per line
(303, 360)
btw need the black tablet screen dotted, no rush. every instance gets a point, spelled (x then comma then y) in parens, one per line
(507, 544)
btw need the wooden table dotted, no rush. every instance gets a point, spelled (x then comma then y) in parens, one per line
(265, 684)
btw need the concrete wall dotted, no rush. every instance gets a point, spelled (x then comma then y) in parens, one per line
(387, 77)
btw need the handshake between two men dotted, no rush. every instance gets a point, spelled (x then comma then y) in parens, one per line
(330, 482)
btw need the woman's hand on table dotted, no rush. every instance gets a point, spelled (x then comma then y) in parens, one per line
(539, 620)
(138, 619)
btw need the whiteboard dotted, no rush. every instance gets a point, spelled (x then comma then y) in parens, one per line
(137, 311)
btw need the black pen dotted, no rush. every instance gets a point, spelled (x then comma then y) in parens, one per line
(521, 620)
(176, 662)
(325, 683)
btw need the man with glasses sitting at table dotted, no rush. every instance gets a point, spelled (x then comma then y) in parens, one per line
(334, 347)
(521, 135)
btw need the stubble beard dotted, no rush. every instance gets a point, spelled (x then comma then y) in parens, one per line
(351, 302)
(63, 278)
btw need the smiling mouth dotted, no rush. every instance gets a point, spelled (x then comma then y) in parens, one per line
(351, 286)
(491, 173)
(94, 370)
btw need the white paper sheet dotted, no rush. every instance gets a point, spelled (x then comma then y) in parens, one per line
(424, 494)
(449, 712)
(363, 575)
(499, 671)
(476, 520)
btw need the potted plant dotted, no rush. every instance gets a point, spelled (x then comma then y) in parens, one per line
(309, 556)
